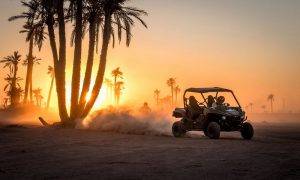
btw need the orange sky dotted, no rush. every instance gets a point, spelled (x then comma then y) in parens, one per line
(250, 47)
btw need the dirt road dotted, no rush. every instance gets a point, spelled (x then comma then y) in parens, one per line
(41, 153)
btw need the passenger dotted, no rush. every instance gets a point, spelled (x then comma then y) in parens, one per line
(210, 101)
(145, 109)
(219, 104)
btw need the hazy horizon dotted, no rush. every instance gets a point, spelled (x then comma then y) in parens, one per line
(252, 47)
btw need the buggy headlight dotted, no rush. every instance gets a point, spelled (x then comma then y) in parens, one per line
(224, 117)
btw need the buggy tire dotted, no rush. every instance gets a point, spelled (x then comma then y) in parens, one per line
(247, 131)
(213, 130)
(178, 129)
(205, 132)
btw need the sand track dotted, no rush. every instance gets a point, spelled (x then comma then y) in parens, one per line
(57, 153)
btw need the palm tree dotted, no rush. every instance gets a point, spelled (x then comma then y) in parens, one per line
(35, 35)
(115, 13)
(177, 91)
(156, 95)
(12, 62)
(38, 96)
(171, 83)
(13, 89)
(52, 75)
(116, 73)
(29, 62)
(93, 16)
(118, 90)
(264, 108)
(5, 103)
(271, 99)
(251, 107)
(51, 14)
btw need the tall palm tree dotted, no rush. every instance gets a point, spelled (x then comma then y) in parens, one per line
(271, 99)
(171, 83)
(116, 73)
(5, 103)
(251, 107)
(177, 91)
(51, 14)
(52, 75)
(13, 89)
(93, 18)
(12, 63)
(29, 62)
(156, 95)
(35, 35)
(264, 108)
(115, 13)
(118, 90)
(38, 96)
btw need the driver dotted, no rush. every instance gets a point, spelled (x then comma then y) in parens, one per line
(219, 104)
(194, 107)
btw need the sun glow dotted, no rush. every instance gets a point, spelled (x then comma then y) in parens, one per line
(101, 101)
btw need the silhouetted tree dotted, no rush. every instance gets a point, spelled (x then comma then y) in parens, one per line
(12, 62)
(171, 83)
(264, 108)
(271, 99)
(251, 107)
(118, 90)
(177, 91)
(51, 14)
(156, 95)
(116, 73)
(29, 62)
(35, 35)
(5, 103)
(38, 96)
(52, 75)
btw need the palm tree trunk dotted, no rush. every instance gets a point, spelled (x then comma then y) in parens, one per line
(76, 62)
(29, 70)
(115, 90)
(271, 105)
(172, 92)
(89, 65)
(102, 65)
(14, 86)
(30, 92)
(59, 69)
(50, 92)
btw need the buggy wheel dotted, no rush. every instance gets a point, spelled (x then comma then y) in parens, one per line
(178, 129)
(247, 131)
(213, 130)
(205, 132)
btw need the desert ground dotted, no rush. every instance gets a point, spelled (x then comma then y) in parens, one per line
(46, 153)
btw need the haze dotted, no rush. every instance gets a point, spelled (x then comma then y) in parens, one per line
(252, 47)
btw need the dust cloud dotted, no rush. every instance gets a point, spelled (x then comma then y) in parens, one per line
(26, 115)
(127, 121)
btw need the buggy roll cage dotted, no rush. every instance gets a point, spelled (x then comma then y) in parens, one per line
(207, 90)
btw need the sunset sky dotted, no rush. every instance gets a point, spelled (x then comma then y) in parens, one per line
(252, 47)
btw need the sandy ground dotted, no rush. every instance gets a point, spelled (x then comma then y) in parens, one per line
(41, 153)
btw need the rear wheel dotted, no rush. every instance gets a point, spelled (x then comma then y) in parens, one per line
(247, 131)
(213, 130)
(178, 129)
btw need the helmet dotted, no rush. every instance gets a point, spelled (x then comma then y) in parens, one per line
(220, 100)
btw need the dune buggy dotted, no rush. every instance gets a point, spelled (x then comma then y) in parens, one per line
(208, 110)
